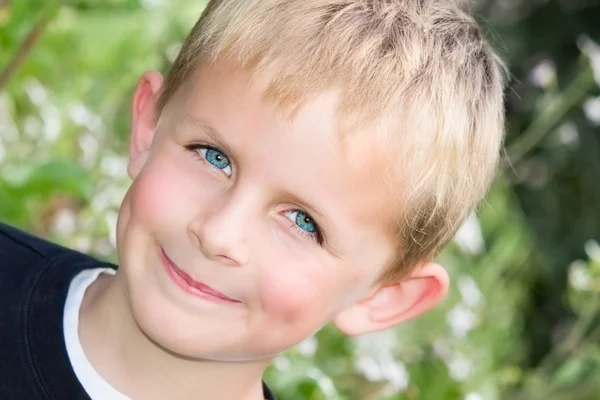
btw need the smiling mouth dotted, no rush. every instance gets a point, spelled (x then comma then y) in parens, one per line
(189, 285)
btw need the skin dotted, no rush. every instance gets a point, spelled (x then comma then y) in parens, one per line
(237, 230)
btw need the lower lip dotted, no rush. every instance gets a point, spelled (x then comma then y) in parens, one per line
(179, 281)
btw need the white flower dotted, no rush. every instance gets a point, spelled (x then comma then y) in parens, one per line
(395, 373)
(591, 108)
(89, 147)
(460, 368)
(172, 51)
(148, 4)
(383, 369)
(376, 362)
(114, 166)
(281, 362)
(82, 116)
(469, 291)
(473, 396)
(543, 74)
(323, 381)
(468, 237)
(567, 133)
(579, 276)
(37, 93)
(377, 344)
(461, 320)
(442, 349)
(64, 222)
(592, 249)
(32, 126)
(52, 123)
(308, 346)
(369, 368)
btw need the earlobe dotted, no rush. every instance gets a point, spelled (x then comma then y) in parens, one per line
(143, 120)
(392, 304)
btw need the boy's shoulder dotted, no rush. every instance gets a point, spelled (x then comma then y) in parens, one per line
(24, 253)
(15, 244)
(35, 275)
(29, 263)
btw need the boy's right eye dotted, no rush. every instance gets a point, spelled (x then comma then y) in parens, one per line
(213, 156)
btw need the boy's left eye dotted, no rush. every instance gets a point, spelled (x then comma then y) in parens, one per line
(304, 225)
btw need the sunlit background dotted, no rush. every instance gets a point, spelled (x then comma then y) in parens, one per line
(522, 319)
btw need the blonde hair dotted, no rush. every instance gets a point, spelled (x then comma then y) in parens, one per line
(418, 71)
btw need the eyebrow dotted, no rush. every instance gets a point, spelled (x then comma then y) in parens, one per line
(304, 204)
(198, 123)
(206, 127)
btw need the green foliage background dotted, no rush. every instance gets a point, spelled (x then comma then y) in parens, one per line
(522, 319)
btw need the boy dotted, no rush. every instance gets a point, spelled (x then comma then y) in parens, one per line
(303, 162)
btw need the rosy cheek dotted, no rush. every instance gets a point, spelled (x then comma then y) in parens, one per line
(146, 198)
(288, 297)
(156, 194)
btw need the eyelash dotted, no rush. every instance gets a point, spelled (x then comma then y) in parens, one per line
(195, 149)
(316, 236)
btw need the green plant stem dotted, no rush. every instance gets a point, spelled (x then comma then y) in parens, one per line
(550, 116)
(27, 45)
(567, 347)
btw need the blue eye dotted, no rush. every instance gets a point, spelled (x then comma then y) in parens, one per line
(305, 222)
(304, 225)
(216, 158)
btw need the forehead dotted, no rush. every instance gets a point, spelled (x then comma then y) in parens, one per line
(308, 148)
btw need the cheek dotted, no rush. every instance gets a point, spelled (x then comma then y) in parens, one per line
(146, 198)
(288, 296)
(156, 194)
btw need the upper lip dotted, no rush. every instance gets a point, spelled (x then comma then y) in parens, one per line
(196, 284)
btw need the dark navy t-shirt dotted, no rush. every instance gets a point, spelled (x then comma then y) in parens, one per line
(34, 279)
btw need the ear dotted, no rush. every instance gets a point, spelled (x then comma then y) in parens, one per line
(143, 120)
(390, 304)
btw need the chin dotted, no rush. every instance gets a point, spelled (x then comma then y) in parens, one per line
(181, 331)
(201, 338)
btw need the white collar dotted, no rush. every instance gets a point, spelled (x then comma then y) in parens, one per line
(95, 386)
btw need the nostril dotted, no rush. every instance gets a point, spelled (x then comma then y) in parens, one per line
(220, 232)
(215, 247)
(194, 238)
(226, 260)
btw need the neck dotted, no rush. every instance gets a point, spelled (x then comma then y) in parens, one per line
(141, 369)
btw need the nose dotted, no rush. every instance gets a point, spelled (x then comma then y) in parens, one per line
(221, 230)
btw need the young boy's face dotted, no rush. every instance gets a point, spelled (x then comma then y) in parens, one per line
(277, 229)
